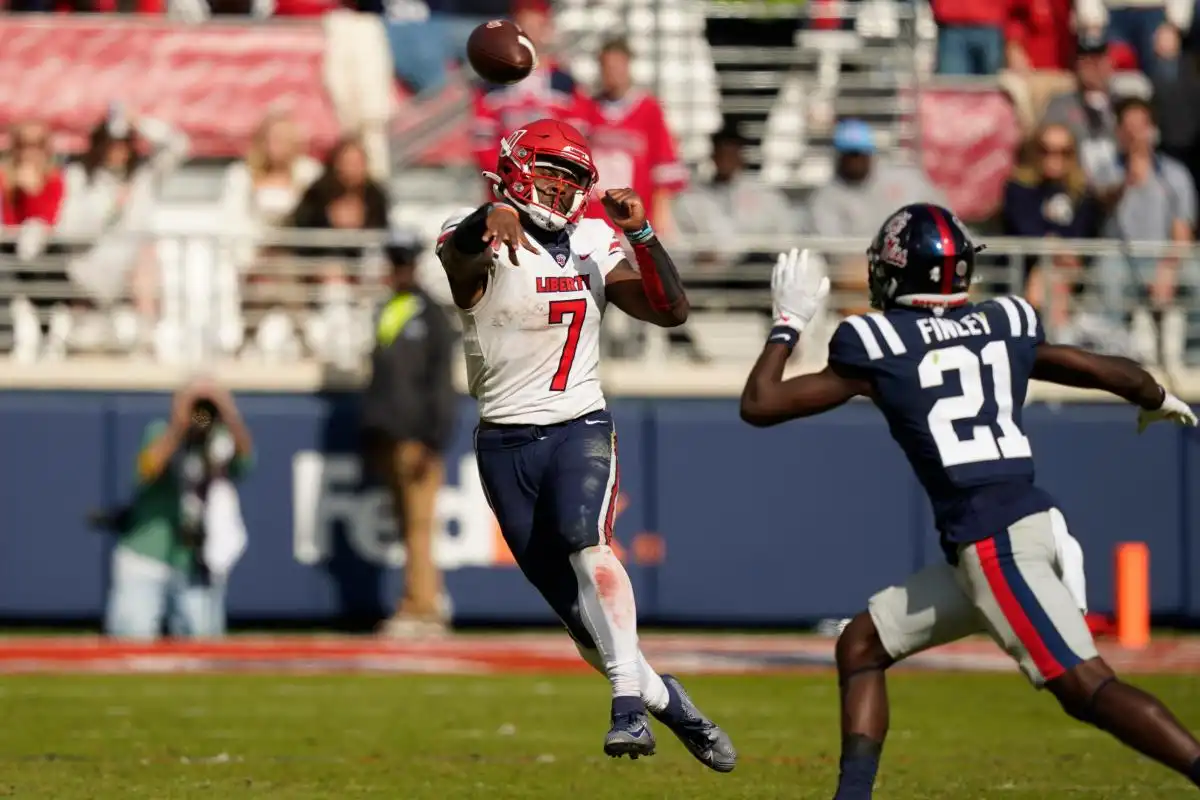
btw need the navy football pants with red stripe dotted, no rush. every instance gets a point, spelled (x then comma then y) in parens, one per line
(553, 489)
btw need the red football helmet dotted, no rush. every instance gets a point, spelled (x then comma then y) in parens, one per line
(545, 169)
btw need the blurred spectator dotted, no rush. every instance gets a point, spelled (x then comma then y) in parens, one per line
(183, 532)
(426, 36)
(31, 192)
(344, 198)
(864, 190)
(1088, 109)
(264, 189)
(631, 144)
(408, 416)
(1048, 197)
(1153, 28)
(550, 92)
(1175, 108)
(1153, 199)
(716, 217)
(970, 37)
(1038, 35)
(31, 184)
(111, 194)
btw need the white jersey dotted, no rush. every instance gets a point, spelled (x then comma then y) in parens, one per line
(532, 343)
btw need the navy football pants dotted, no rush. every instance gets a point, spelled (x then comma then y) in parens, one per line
(553, 489)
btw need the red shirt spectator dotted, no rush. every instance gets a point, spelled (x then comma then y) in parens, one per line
(548, 93)
(32, 189)
(1040, 31)
(633, 147)
(967, 13)
(631, 143)
(22, 205)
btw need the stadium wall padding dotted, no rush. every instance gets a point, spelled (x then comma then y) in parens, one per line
(793, 523)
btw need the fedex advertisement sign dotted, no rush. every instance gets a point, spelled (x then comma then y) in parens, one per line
(327, 493)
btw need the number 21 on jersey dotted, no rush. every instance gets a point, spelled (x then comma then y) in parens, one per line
(982, 444)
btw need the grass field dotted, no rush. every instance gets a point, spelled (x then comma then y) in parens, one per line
(408, 737)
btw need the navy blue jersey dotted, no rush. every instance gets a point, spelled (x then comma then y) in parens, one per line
(952, 387)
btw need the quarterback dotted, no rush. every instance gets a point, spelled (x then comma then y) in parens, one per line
(532, 278)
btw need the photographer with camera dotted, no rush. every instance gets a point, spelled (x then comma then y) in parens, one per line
(183, 531)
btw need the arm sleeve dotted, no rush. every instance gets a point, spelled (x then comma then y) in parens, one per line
(447, 229)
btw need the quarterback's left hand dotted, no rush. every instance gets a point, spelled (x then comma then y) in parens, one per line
(798, 289)
(1172, 409)
(625, 209)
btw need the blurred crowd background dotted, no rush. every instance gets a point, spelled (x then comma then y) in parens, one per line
(195, 181)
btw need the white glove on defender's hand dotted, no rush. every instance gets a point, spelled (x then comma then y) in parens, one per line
(798, 288)
(1172, 409)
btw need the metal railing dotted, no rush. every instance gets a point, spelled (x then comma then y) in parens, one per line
(310, 296)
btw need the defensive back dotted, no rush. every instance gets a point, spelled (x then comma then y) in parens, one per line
(951, 386)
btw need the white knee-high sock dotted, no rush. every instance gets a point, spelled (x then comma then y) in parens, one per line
(654, 691)
(609, 612)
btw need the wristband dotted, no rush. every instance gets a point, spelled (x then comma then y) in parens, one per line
(642, 235)
(785, 335)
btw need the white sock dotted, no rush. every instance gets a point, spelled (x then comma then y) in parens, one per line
(609, 612)
(654, 691)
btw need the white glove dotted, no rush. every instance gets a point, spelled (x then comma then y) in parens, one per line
(798, 289)
(1172, 409)
(1069, 556)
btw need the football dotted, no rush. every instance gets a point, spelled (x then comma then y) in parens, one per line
(500, 52)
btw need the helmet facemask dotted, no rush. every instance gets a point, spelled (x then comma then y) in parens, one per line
(548, 188)
(559, 192)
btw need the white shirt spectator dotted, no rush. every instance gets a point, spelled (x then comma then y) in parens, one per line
(251, 211)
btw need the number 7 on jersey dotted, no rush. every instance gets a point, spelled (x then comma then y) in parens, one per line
(559, 311)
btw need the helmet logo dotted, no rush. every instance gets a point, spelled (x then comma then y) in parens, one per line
(893, 252)
(582, 155)
(960, 269)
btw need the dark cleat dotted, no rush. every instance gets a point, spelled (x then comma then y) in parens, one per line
(630, 735)
(702, 737)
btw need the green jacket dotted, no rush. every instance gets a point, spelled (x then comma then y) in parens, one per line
(155, 510)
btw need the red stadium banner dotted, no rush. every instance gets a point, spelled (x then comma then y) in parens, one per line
(968, 140)
(213, 82)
